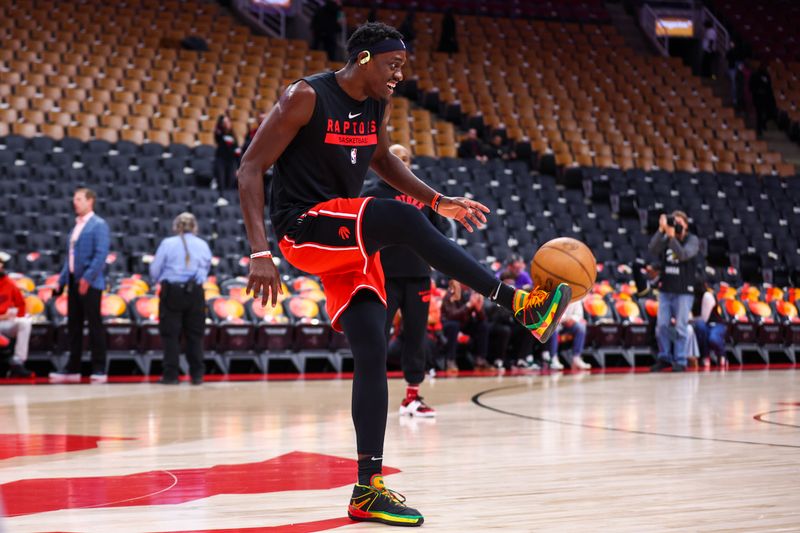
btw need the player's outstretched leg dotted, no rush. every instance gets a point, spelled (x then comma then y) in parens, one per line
(389, 222)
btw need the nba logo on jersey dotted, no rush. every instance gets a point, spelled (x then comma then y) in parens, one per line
(353, 155)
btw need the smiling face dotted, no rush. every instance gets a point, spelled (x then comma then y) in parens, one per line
(383, 72)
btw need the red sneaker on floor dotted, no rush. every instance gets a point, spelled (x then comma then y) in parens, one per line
(416, 407)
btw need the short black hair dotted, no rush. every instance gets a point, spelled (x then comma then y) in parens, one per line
(369, 34)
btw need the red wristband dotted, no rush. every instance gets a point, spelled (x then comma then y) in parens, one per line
(435, 202)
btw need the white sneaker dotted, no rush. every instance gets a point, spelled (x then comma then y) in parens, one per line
(555, 363)
(64, 377)
(99, 378)
(416, 407)
(579, 364)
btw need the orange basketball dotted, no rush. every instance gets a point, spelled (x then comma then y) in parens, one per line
(564, 260)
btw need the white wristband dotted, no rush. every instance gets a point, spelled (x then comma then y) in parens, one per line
(265, 253)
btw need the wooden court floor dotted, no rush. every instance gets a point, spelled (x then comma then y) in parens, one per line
(639, 452)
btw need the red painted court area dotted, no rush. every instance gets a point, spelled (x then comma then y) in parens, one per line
(310, 471)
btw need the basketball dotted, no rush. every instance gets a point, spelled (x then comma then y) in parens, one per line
(564, 260)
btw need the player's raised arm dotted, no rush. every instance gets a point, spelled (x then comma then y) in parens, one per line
(293, 111)
(392, 170)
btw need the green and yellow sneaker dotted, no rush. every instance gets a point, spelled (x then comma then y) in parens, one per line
(376, 503)
(539, 311)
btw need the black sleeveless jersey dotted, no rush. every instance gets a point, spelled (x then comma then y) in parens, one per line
(329, 156)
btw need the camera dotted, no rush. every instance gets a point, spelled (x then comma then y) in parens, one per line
(670, 221)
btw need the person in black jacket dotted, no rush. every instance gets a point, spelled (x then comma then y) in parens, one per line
(763, 97)
(408, 288)
(225, 156)
(676, 250)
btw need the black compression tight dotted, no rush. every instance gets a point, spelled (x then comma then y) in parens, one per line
(363, 323)
(389, 222)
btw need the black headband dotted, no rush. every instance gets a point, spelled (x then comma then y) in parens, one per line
(387, 45)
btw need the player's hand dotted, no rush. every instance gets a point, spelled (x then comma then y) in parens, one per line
(468, 212)
(83, 287)
(264, 280)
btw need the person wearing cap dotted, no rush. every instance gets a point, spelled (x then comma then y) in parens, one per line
(82, 274)
(13, 321)
(181, 267)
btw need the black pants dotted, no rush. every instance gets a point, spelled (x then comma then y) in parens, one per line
(80, 309)
(408, 295)
(225, 172)
(182, 310)
(363, 323)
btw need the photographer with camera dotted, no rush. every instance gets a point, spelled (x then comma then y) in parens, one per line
(181, 266)
(676, 250)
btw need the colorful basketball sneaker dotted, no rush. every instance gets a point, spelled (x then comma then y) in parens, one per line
(540, 311)
(376, 503)
(416, 407)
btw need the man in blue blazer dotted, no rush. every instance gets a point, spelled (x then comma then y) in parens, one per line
(83, 275)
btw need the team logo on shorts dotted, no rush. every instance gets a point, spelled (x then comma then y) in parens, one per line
(353, 155)
(344, 233)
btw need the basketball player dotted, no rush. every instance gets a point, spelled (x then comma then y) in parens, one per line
(322, 135)
(408, 288)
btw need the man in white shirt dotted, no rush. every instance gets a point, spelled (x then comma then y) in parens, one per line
(82, 273)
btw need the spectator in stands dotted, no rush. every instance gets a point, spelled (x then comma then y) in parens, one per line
(676, 250)
(13, 321)
(225, 156)
(326, 26)
(709, 327)
(181, 267)
(515, 267)
(511, 344)
(743, 96)
(463, 311)
(408, 289)
(734, 57)
(709, 44)
(448, 41)
(573, 323)
(498, 149)
(471, 147)
(83, 275)
(763, 97)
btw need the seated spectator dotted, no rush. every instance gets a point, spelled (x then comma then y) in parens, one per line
(709, 327)
(462, 311)
(471, 147)
(498, 149)
(515, 267)
(13, 321)
(573, 322)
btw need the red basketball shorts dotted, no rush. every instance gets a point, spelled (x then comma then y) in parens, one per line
(329, 244)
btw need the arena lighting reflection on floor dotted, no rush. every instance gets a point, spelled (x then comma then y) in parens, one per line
(310, 471)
